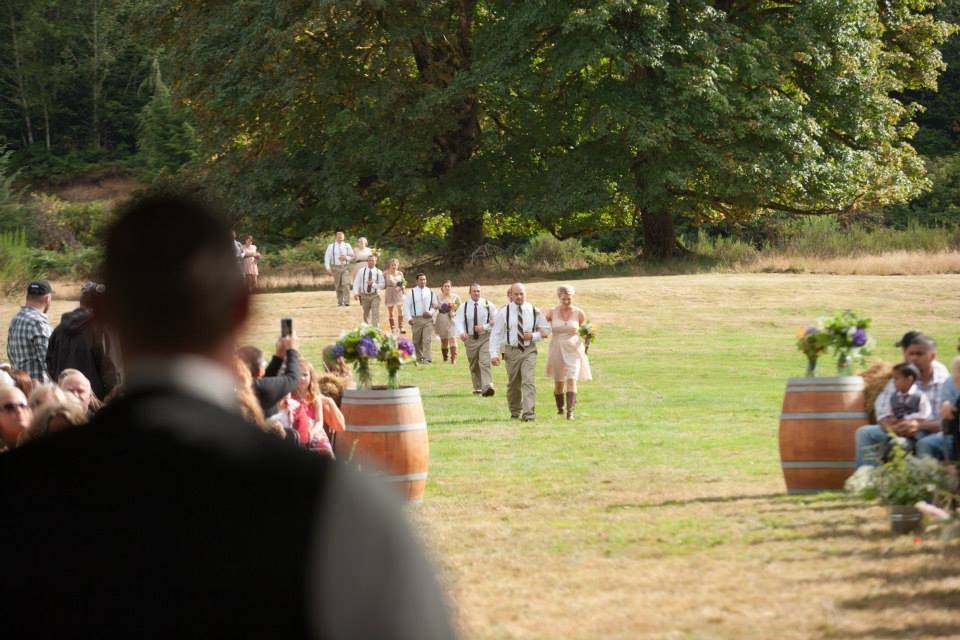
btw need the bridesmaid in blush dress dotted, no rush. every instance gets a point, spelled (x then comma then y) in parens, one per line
(567, 361)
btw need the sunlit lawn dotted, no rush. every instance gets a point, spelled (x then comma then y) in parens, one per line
(660, 511)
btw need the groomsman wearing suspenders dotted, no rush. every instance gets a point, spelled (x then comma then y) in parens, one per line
(367, 288)
(473, 324)
(337, 261)
(420, 305)
(517, 328)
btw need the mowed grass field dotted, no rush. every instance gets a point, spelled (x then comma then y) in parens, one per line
(660, 512)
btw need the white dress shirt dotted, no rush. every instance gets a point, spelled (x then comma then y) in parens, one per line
(378, 284)
(505, 327)
(419, 300)
(334, 251)
(464, 318)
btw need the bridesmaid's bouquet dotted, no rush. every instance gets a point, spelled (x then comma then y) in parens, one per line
(587, 334)
(444, 308)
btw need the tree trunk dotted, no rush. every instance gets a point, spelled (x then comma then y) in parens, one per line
(46, 125)
(96, 75)
(463, 238)
(659, 236)
(21, 85)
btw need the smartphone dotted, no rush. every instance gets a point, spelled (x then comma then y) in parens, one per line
(286, 327)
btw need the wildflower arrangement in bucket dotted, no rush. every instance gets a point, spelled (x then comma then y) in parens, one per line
(367, 344)
(845, 333)
(588, 334)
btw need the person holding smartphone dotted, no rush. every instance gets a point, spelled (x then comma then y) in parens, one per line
(273, 381)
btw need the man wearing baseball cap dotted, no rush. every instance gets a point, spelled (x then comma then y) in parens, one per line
(29, 332)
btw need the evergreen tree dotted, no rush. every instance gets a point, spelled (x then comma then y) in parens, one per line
(166, 139)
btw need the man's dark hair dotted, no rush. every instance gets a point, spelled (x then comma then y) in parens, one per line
(420, 274)
(253, 358)
(171, 275)
(921, 339)
(907, 370)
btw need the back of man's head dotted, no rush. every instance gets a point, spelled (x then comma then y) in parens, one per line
(172, 284)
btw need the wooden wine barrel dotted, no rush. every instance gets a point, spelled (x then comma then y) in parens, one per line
(385, 429)
(817, 425)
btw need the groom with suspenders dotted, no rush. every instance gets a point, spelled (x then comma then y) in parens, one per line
(517, 328)
(474, 321)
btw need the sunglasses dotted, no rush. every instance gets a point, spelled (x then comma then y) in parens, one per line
(10, 407)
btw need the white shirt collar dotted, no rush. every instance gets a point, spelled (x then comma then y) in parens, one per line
(193, 375)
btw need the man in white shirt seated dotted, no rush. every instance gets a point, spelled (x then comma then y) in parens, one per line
(919, 350)
(337, 261)
(367, 287)
(517, 328)
(420, 306)
(473, 322)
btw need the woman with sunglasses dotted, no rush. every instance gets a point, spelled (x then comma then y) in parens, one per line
(15, 416)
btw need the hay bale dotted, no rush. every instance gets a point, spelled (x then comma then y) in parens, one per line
(874, 380)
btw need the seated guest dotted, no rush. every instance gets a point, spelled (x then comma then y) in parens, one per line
(74, 382)
(15, 416)
(941, 445)
(920, 350)
(246, 398)
(293, 416)
(172, 517)
(53, 417)
(906, 407)
(338, 366)
(325, 415)
(275, 380)
(44, 394)
(332, 386)
(23, 381)
(80, 342)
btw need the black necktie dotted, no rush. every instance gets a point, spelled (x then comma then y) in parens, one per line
(369, 281)
(475, 334)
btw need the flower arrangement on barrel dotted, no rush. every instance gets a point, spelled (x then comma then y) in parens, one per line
(367, 344)
(588, 334)
(845, 333)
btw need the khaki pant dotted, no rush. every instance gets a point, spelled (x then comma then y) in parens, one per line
(341, 284)
(422, 336)
(370, 302)
(521, 380)
(478, 356)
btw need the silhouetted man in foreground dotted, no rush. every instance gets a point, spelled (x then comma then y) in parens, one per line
(169, 516)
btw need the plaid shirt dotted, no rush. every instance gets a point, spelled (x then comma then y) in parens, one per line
(27, 342)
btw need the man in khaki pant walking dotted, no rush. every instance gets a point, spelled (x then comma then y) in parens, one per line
(517, 328)
(337, 261)
(367, 288)
(474, 321)
(420, 306)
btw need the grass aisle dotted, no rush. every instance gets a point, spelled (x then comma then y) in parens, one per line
(661, 512)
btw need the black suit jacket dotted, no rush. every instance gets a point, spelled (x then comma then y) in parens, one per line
(169, 517)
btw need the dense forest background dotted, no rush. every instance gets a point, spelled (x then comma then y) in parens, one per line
(457, 131)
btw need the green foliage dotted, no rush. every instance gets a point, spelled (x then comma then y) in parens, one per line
(70, 71)
(941, 204)
(165, 137)
(546, 253)
(13, 216)
(905, 479)
(77, 264)
(15, 266)
(60, 225)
